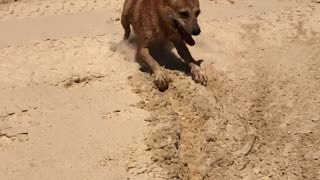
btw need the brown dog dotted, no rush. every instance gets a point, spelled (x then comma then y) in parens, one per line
(158, 21)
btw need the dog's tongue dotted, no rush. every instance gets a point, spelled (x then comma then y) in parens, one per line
(186, 37)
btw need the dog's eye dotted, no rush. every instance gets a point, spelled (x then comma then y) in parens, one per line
(184, 14)
(198, 13)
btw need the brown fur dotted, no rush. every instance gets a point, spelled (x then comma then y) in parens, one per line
(158, 21)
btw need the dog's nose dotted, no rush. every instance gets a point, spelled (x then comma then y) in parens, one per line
(196, 31)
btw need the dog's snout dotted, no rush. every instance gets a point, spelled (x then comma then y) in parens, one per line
(196, 31)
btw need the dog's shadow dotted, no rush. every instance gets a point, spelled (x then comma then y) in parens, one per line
(164, 55)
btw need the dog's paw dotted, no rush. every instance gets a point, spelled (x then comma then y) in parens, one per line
(161, 81)
(198, 75)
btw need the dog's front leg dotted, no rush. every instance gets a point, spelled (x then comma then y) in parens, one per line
(161, 79)
(196, 72)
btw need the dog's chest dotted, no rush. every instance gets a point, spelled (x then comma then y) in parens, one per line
(153, 32)
(157, 37)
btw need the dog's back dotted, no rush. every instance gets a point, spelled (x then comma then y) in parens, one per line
(144, 18)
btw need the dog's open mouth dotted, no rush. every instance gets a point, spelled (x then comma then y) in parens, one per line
(184, 35)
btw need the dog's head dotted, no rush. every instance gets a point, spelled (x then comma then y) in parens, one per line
(184, 14)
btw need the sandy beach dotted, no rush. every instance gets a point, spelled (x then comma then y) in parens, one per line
(75, 105)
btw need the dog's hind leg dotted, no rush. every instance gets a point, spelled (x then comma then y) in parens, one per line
(126, 26)
(125, 19)
(161, 79)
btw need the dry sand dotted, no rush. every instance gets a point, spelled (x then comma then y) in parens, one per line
(74, 105)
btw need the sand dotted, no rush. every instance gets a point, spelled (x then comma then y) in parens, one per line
(74, 104)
